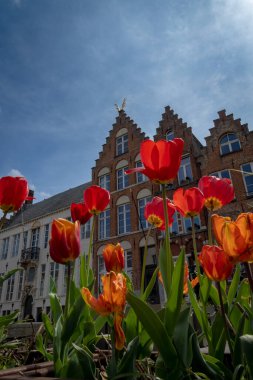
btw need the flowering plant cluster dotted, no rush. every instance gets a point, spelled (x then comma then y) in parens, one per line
(177, 330)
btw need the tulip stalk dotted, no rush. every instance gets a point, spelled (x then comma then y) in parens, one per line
(195, 251)
(66, 310)
(90, 246)
(144, 260)
(169, 260)
(223, 313)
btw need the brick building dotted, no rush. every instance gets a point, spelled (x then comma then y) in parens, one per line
(228, 153)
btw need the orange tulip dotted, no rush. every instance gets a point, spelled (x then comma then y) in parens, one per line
(96, 199)
(13, 192)
(80, 212)
(235, 237)
(65, 241)
(154, 212)
(215, 263)
(217, 191)
(114, 257)
(188, 202)
(111, 301)
(161, 160)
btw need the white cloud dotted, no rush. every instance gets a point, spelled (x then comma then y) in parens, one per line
(15, 173)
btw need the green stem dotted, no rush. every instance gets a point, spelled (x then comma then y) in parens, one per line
(224, 318)
(169, 259)
(210, 235)
(195, 251)
(144, 260)
(66, 310)
(90, 246)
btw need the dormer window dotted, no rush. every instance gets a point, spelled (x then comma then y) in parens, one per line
(169, 135)
(229, 143)
(122, 144)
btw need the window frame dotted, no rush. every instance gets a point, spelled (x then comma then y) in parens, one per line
(229, 143)
(15, 246)
(126, 218)
(169, 132)
(104, 181)
(140, 177)
(5, 248)
(122, 144)
(143, 223)
(122, 177)
(244, 175)
(184, 167)
(104, 224)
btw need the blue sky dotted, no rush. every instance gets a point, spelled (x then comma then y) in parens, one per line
(64, 63)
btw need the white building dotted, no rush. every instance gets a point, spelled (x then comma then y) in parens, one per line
(24, 244)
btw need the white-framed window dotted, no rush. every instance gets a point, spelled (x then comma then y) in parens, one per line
(42, 279)
(20, 284)
(121, 144)
(5, 247)
(122, 178)
(104, 225)
(229, 143)
(222, 174)
(46, 235)
(31, 274)
(185, 170)
(1, 286)
(104, 181)
(140, 177)
(15, 247)
(10, 287)
(248, 177)
(25, 239)
(54, 272)
(124, 221)
(85, 230)
(169, 135)
(143, 223)
(35, 237)
(128, 263)
(182, 225)
(101, 270)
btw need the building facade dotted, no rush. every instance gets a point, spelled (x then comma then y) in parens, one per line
(228, 153)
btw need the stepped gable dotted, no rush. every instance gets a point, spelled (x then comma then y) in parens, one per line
(172, 123)
(108, 153)
(48, 206)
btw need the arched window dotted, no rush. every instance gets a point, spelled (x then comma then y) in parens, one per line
(229, 143)
(169, 135)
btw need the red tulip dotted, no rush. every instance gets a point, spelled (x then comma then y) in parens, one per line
(114, 257)
(96, 199)
(215, 263)
(111, 301)
(154, 212)
(65, 241)
(217, 191)
(161, 160)
(80, 212)
(13, 192)
(188, 202)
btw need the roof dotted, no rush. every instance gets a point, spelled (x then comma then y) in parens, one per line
(48, 206)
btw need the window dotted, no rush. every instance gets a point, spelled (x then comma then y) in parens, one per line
(31, 274)
(169, 135)
(222, 174)
(229, 143)
(42, 280)
(182, 225)
(143, 223)
(248, 177)
(104, 224)
(185, 171)
(15, 247)
(1, 286)
(122, 178)
(104, 181)
(5, 247)
(124, 224)
(46, 235)
(20, 284)
(10, 287)
(101, 270)
(139, 176)
(122, 144)
(25, 236)
(35, 237)
(85, 230)
(54, 272)
(128, 263)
